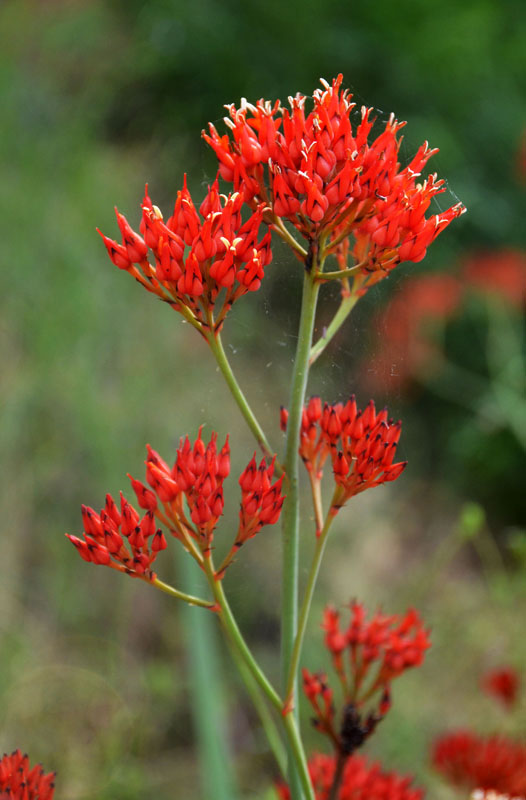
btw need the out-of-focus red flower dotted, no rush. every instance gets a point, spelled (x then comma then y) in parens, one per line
(188, 499)
(501, 273)
(20, 781)
(366, 657)
(327, 177)
(502, 683)
(476, 762)
(362, 445)
(203, 260)
(405, 346)
(361, 780)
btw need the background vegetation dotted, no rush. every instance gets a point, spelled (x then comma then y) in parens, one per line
(99, 97)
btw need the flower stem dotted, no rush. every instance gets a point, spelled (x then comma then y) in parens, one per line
(216, 345)
(188, 598)
(265, 716)
(346, 306)
(230, 626)
(338, 775)
(305, 607)
(289, 590)
(237, 641)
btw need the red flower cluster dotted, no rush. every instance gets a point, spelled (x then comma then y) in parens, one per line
(193, 484)
(502, 683)
(323, 176)
(392, 644)
(197, 255)
(362, 445)
(19, 781)
(476, 762)
(120, 539)
(361, 781)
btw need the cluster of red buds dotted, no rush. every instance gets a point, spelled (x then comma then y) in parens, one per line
(360, 781)
(20, 781)
(392, 644)
(476, 762)
(120, 539)
(187, 499)
(503, 683)
(362, 445)
(330, 180)
(197, 255)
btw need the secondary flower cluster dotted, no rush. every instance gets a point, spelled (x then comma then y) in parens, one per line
(476, 762)
(328, 178)
(360, 781)
(378, 651)
(20, 781)
(197, 255)
(188, 499)
(362, 445)
(120, 538)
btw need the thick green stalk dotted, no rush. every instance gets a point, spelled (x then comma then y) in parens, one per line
(265, 715)
(305, 607)
(216, 345)
(237, 641)
(289, 590)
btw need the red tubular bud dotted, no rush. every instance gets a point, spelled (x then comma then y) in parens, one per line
(129, 517)
(145, 498)
(201, 513)
(91, 520)
(117, 253)
(166, 488)
(134, 244)
(112, 540)
(100, 555)
(112, 510)
(283, 418)
(148, 524)
(314, 409)
(82, 547)
(247, 477)
(158, 542)
(223, 464)
(136, 538)
(394, 471)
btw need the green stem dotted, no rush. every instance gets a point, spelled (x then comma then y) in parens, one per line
(283, 233)
(339, 274)
(265, 717)
(307, 601)
(237, 641)
(296, 747)
(216, 345)
(289, 590)
(188, 598)
(236, 638)
(346, 306)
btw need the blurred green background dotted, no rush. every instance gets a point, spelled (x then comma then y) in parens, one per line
(99, 97)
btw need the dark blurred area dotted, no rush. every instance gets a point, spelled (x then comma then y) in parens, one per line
(100, 97)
